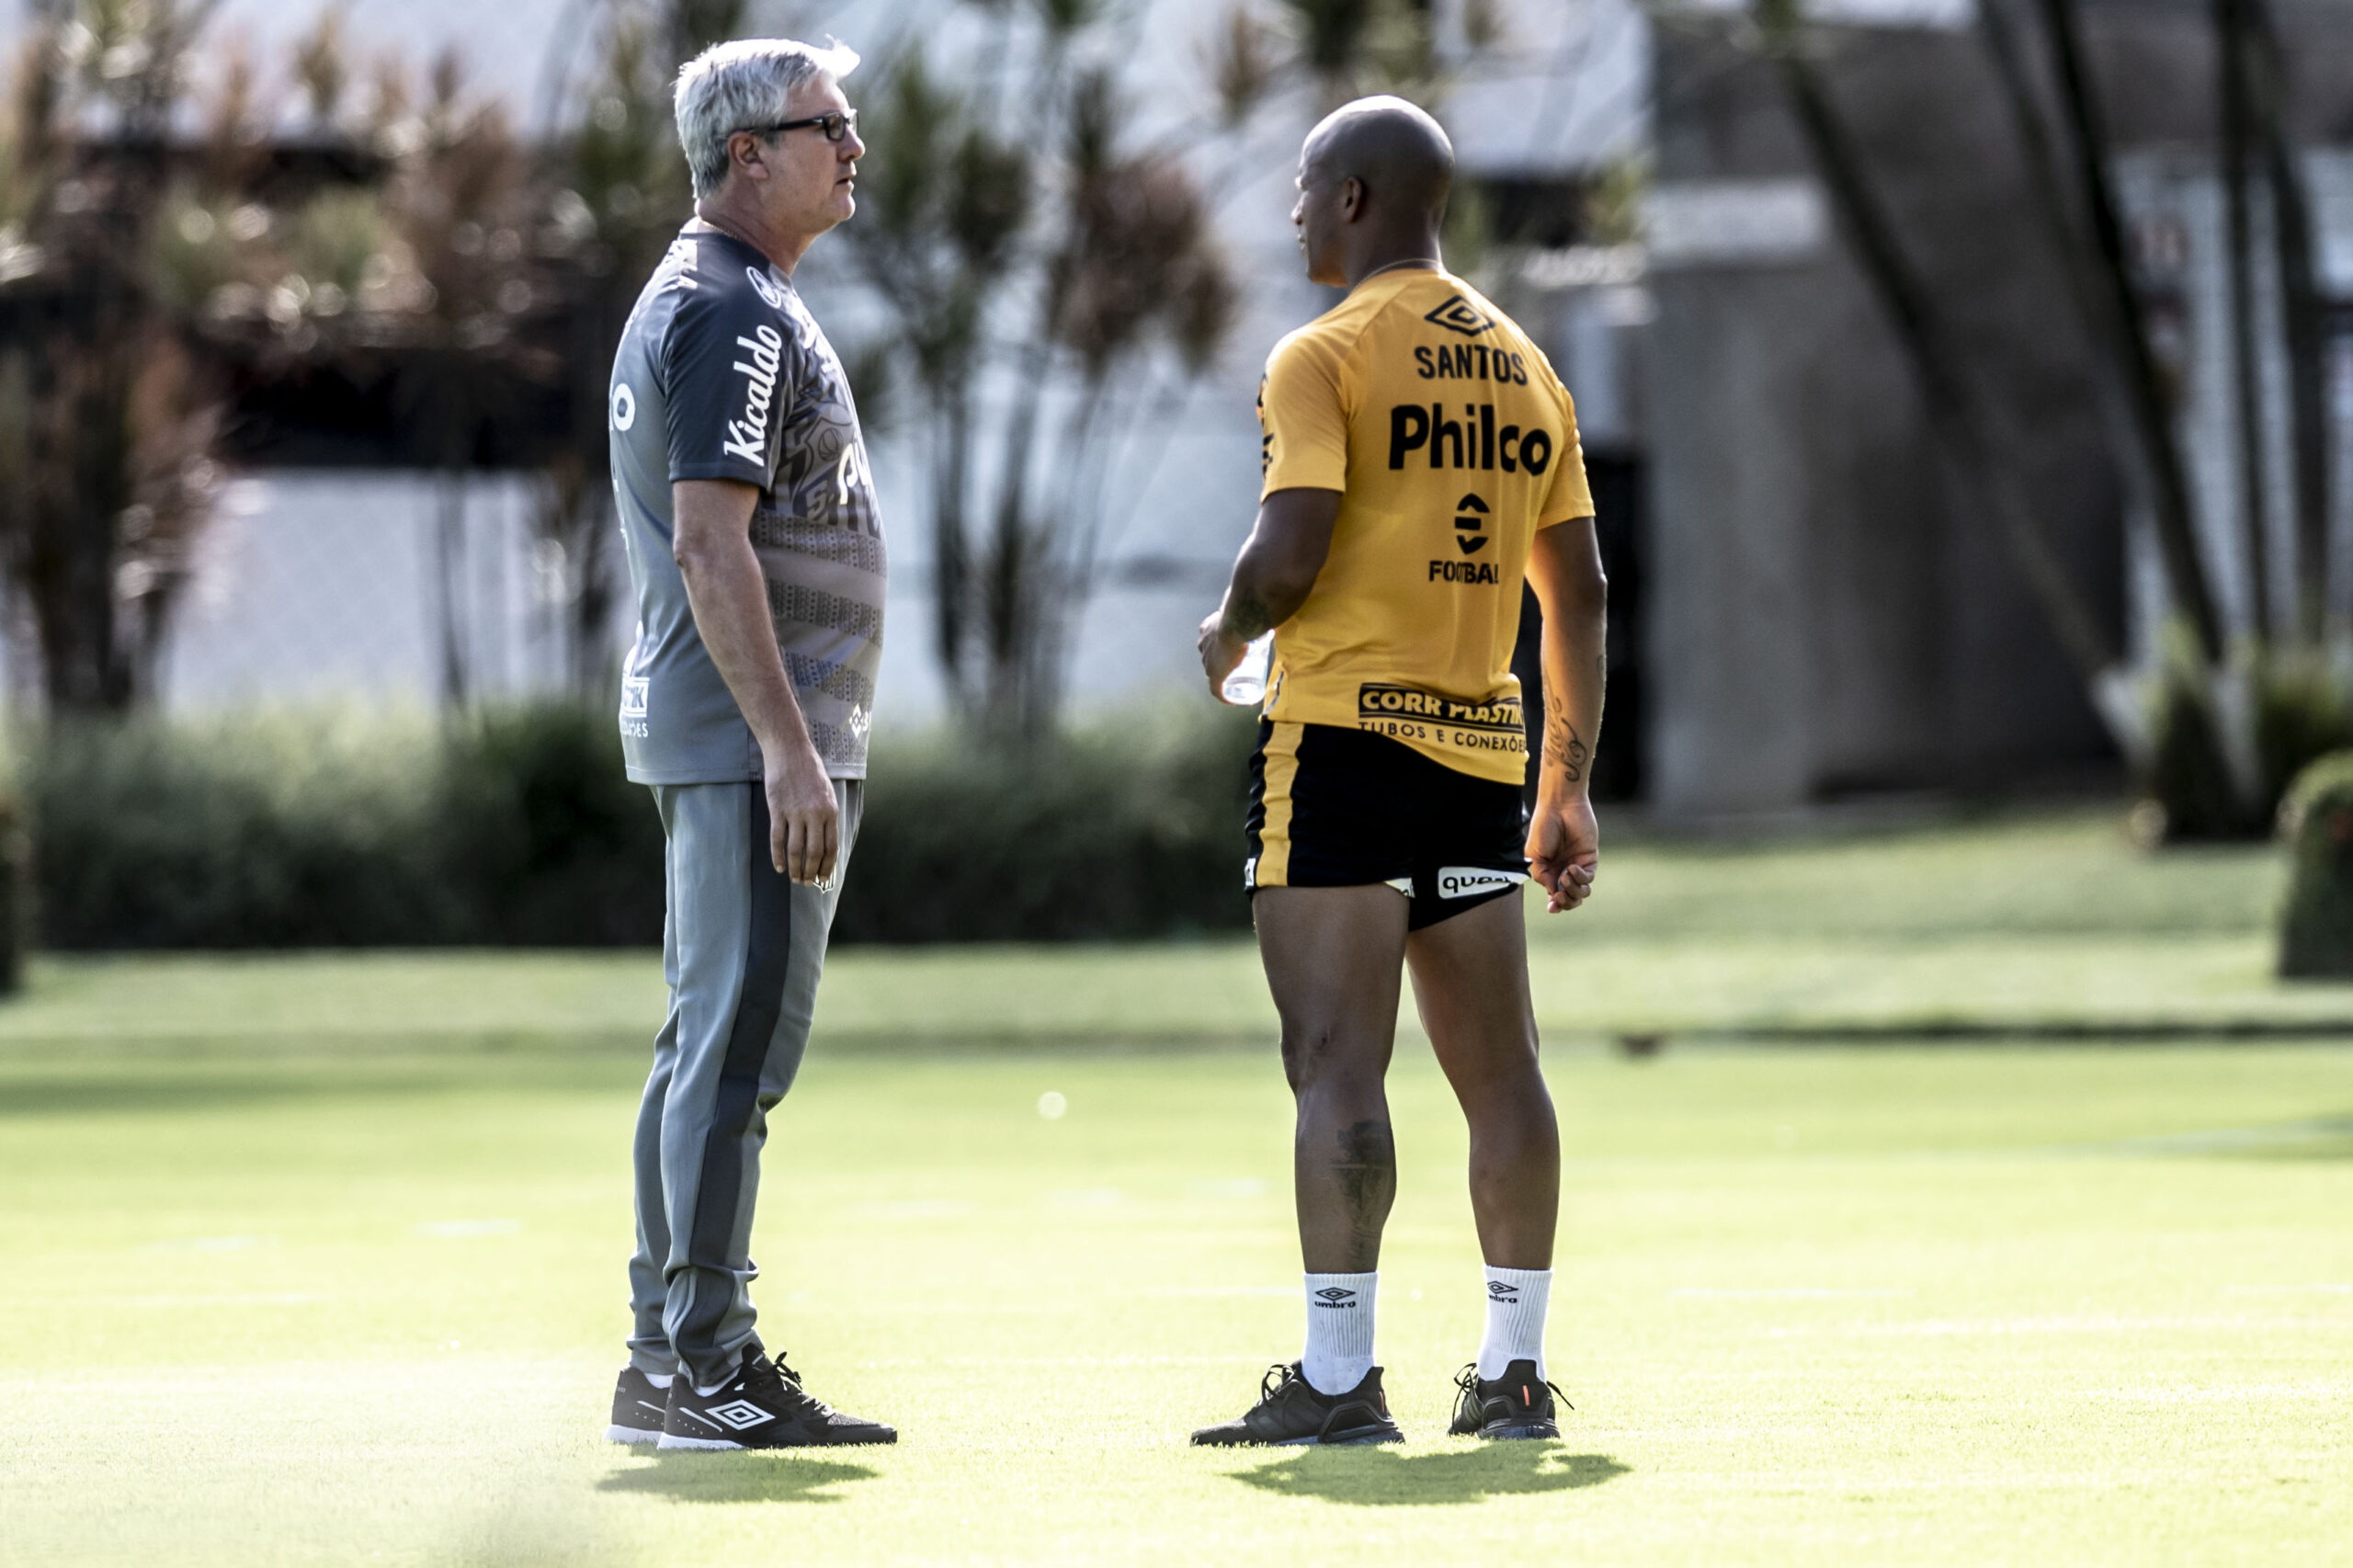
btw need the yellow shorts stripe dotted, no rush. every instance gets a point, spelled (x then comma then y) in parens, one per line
(1274, 835)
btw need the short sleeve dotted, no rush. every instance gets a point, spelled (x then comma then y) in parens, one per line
(1303, 419)
(725, 394)
(1571, 496)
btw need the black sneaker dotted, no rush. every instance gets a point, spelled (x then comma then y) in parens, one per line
(1291, 1412)
(638, 1406)
(1517, 1404)
(762, 1406)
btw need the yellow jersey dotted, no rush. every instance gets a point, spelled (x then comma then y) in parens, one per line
(1452, 442)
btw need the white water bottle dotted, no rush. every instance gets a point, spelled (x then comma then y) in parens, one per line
(1246, 686)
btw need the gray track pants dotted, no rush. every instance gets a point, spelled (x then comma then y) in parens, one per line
(742, 949)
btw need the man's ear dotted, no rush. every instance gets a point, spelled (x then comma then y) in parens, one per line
(748, 154)
(1352, 194)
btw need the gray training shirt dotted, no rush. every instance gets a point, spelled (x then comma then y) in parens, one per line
(723, 374)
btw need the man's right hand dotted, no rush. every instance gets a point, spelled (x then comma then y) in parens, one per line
(804, 819)
(1219, 654)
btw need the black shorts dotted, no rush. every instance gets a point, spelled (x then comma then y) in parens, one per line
(1337, 808)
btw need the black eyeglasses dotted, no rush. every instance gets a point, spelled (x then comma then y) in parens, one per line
(836, 125)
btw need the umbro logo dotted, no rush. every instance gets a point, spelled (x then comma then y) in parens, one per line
(1333, 1296)
(740, 1414)
(1458, 314)
(1499, 1291)
(764, 288)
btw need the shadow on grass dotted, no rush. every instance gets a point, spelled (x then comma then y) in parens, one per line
(2322, 1138)
(1381, 1476)
(737, 1478)
(137, 1084)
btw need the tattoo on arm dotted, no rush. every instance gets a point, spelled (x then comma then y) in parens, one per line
(1247, 614)
(1564, 747)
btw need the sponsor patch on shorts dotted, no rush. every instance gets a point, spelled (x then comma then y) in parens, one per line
(1467, 881)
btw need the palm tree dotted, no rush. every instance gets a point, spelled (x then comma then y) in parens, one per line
(1053, 290)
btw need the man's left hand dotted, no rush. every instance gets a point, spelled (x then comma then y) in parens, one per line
(1563, 850)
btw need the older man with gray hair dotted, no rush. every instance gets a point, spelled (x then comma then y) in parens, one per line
(756, 553)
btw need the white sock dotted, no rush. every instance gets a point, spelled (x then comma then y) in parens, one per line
(1339, 1330)
(660, 1379)
(1515, 1302)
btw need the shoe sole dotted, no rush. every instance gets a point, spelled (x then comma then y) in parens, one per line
(1362, 1441)
(1355, 1441)
(720, 1445)
(1524, 1430)
(632, 1435)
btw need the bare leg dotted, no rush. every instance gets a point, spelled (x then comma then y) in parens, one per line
(1471, 982)
(1333, 956)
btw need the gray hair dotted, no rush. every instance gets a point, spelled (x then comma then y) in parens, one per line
(738, 85)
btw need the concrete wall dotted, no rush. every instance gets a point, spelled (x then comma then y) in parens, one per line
(1826, 617)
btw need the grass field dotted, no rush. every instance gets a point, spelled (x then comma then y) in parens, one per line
(318, 1260)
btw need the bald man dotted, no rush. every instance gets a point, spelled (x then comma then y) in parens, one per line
(1421, 461)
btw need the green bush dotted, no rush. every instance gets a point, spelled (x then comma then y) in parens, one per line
(540, 824)
(12, 896)
(1129, 829)
(2187, 774)
(517, 827)
(311, 830)
(2301, 712)
(2316, 930)
(255, 831)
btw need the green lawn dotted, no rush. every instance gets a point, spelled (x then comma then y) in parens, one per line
(317, 1260)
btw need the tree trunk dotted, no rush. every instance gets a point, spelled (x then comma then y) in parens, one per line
(2306, 317)
(2078, 262)
(2246, 365)
(2177, 534)
(696, 25)
(78, 456)
(952, 587)
(1956, 420)
(448, 571)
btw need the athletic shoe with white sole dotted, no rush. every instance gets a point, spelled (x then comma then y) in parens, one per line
(1517, 1404)
(762, 1406)
(638, 1407)
(1290, 1412)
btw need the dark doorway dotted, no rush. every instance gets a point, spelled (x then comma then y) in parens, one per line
(1619, 522)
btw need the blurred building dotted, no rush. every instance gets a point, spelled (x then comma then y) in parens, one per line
(1800, 612)
(355, 568)
(1823, 621)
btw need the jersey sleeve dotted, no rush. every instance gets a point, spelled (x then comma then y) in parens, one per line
(1302, 419)
(724, 369)
(1571, 496)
